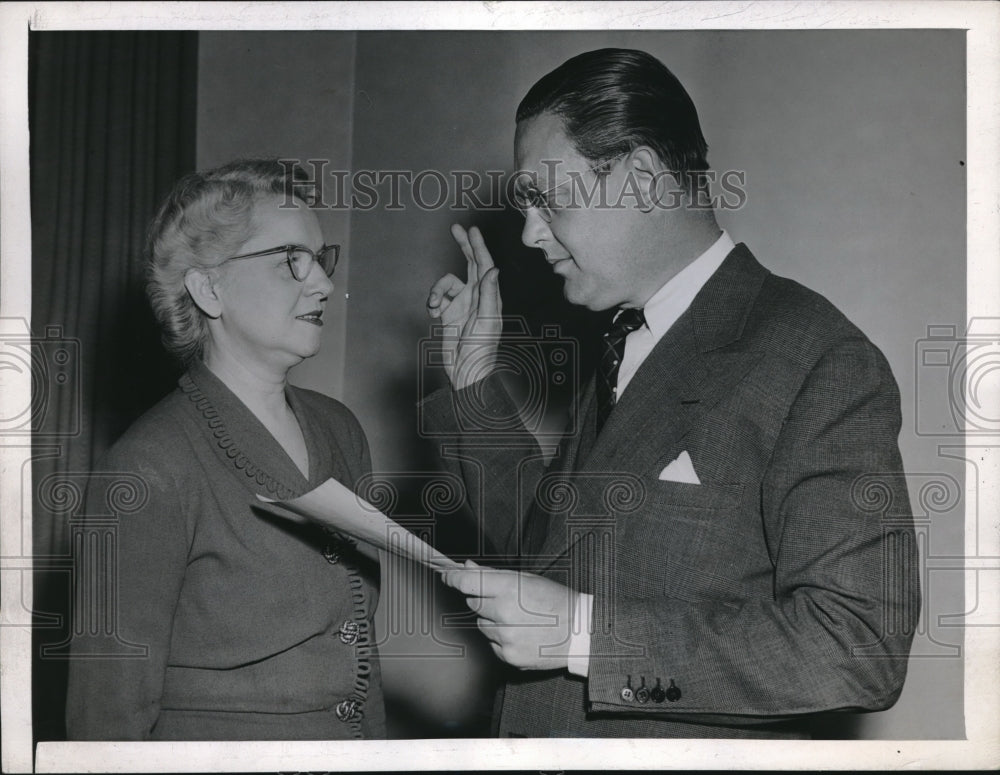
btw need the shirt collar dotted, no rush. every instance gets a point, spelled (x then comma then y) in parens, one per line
(676, 295)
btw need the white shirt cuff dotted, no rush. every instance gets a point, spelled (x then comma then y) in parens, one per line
(578, 661)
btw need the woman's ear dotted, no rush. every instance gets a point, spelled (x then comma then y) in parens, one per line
(201, 286)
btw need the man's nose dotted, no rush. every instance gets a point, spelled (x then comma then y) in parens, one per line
(535, 230)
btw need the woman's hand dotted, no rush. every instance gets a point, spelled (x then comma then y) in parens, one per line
(469, 312)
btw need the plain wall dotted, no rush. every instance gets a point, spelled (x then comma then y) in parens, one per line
(852, 144)
(286, 95)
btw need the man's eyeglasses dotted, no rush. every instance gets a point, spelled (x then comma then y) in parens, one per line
(300, 258)
(529, 197)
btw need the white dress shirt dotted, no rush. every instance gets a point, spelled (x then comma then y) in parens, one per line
(661, 312)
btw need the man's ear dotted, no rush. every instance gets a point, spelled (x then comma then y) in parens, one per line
(201, 286)
(647, 170)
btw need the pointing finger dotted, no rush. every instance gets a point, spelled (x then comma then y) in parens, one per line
(462, 238)
(473, 309)
(484, 260)
(468, 582)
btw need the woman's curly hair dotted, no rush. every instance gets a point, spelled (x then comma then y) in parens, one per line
(205, 219)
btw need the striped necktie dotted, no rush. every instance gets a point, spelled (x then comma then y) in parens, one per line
(612, 352)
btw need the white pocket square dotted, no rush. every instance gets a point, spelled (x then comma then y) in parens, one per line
(680, 470)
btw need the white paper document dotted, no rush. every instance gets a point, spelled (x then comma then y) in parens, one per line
(334, 506)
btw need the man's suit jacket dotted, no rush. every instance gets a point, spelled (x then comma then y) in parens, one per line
(784, 584)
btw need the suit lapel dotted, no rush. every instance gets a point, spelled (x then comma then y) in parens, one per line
(668, 396)
(696, 363)
(579, 445)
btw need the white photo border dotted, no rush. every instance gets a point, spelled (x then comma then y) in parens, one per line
(981, 749)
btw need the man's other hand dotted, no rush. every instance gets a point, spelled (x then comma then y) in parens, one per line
(525, 617)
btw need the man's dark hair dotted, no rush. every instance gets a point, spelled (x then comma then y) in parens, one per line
(613, 100)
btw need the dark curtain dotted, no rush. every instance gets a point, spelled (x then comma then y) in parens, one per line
(112, 120)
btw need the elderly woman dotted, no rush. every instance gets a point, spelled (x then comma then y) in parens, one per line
(256, 628)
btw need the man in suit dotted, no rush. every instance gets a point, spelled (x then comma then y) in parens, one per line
(721, 545)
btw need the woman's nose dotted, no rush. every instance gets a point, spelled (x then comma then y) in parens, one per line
(317, 281)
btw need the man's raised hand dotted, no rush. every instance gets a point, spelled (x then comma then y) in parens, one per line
(470, 312)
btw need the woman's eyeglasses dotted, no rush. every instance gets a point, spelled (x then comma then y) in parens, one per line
(300, 258)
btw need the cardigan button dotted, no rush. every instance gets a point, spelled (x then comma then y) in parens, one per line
(331, 553)
(349, 632)
(347, 710)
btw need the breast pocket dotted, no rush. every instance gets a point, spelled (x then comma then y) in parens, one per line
(693, 496)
